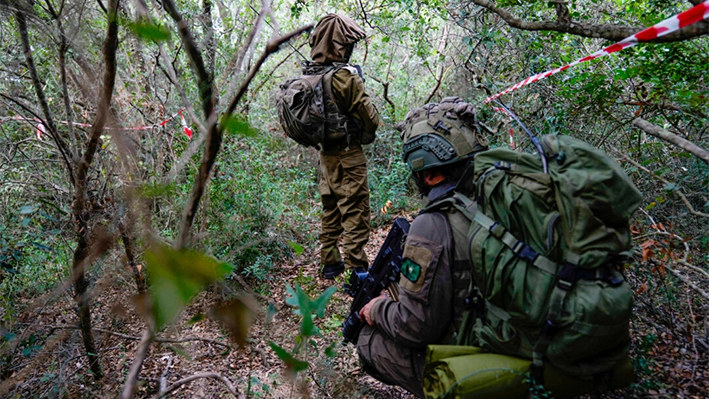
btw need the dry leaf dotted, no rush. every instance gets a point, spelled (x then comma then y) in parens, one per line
(641, 289)
(647, 254)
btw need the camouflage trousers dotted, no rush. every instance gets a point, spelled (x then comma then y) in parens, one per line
(390, 362)
(344, 190)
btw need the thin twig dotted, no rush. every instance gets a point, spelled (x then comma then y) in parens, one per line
(138, 359)
(687, 281)
(662, 179)
(163, 377)
(214, 137)
(159, 340)
(695, 268)
(229, 386)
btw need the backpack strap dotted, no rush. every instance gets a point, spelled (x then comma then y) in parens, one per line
(519, 247)
(336, 121)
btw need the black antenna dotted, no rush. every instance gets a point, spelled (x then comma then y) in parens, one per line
(535, 141)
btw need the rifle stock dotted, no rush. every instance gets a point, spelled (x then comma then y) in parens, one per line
(364, 287)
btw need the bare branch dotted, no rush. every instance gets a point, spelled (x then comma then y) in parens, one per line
(63, 48)
(49, 120)
(138, 359)
(612, 32)
(672, 138)
(159, 340)
(172, 76)
(80, 213)
(229, 386)
(386, 93)
(660, 178)
(214, 137)
(687, 281)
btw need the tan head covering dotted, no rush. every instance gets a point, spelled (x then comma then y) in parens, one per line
(331, 37)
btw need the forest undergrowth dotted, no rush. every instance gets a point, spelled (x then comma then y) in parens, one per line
(669, 349)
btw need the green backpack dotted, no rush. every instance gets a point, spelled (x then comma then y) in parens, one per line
(309, 114)
(546, 251)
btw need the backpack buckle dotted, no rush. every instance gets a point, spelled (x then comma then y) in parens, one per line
(497, 230)
(502, 165)
(525, 252)
(566, 277)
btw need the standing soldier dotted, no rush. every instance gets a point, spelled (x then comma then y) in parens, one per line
(351, 121)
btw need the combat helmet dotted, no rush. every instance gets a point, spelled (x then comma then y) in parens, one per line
(439, 134)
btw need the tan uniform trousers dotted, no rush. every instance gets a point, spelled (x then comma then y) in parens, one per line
(391, 363)
(344, 190)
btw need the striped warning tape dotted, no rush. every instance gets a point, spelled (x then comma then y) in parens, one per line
(672, 24)
(41, 129)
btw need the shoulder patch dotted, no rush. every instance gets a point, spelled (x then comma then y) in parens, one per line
(414, 266)
(411, 270)
(351, 69)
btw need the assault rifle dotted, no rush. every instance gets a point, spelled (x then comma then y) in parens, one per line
(383, 274)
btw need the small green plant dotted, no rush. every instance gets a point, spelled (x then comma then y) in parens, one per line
(308, 309)
(29, 345)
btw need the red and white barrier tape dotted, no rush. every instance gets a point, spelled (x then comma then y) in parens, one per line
(41, 129)
(672, 24)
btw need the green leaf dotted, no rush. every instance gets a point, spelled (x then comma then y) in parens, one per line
(320, 303)
(149, 31)
(27, 209)
(297, 248)
(270, 313)
(177, 275)
(330, 350)
(650, 206)
(237, 125)
(26, 222)
(42, 246)
(292, 363)
(292, 298)
(670, 187)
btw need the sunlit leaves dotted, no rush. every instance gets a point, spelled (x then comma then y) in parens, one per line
(177, 275)
(298, 249)
(237, 125)
(149, 31)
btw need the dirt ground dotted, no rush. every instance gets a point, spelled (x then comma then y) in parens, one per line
(46, 360)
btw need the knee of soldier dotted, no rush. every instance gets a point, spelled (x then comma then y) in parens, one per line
(363, 344)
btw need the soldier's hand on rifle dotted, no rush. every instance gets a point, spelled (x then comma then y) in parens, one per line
(364, 313)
